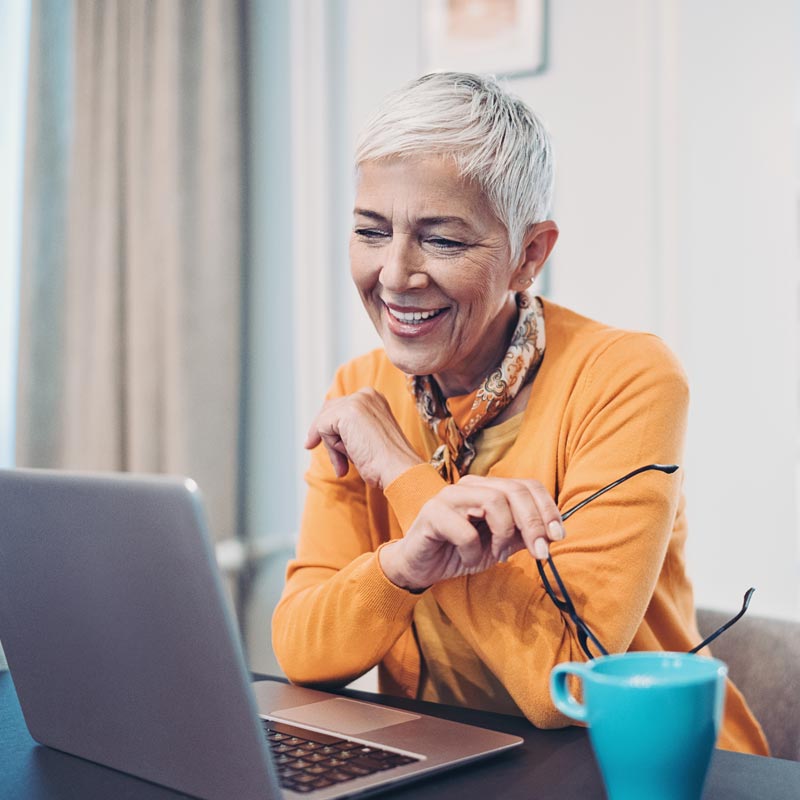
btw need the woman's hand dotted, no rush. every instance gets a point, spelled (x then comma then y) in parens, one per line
(360, 428)
(471, 526)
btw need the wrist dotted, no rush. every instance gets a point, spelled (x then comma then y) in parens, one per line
(391, 563)
(397, 467)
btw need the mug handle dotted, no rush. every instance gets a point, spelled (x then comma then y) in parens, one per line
(562, 697)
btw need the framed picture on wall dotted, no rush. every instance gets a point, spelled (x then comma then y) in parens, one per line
(506, 38)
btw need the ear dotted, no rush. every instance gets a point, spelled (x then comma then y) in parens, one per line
(537, 245)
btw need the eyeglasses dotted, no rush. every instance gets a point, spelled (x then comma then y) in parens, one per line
(565, 604)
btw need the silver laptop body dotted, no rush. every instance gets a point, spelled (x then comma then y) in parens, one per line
(123, 649)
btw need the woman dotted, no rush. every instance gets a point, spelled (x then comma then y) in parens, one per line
(440, 462)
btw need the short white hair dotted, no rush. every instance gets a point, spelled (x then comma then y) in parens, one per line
(494, 138)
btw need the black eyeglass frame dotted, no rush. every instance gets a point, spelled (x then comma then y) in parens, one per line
(565, 604)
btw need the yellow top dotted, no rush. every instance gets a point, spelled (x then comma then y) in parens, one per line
(604, 401)
(451, 671)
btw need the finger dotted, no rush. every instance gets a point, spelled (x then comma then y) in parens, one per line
(516, 545)
(498, 518)
(450, 525)
(488, 503)
(548, 511)
(336, 453)
(540, 549)
(526, 514)
(312, 438)
(536, 513)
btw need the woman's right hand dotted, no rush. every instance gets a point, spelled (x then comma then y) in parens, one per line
(469, 527)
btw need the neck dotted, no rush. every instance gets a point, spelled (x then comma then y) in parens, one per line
(456, 384)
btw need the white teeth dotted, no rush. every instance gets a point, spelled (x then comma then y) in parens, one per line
(414, 316)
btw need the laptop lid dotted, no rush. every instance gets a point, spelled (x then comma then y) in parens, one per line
(123, 649)
(118, 636)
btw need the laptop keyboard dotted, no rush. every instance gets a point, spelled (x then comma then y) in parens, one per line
(307, 760)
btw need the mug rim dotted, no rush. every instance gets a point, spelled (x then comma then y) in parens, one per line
(715, 668)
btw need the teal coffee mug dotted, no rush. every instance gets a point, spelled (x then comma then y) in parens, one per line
(653, 719)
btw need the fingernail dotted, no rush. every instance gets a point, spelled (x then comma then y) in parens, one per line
(540, 549)
(504, 556)
(557, 531)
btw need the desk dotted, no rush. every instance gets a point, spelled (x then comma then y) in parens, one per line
(556, 764)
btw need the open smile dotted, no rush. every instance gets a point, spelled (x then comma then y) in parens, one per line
(413, 317)
(410, 322)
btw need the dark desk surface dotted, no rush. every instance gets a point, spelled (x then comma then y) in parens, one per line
(555, 764)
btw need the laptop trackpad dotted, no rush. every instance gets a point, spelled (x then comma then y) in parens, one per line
(343, 716)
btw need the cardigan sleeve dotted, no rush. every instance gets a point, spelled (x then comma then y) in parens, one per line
(339, 614)
(628, 408)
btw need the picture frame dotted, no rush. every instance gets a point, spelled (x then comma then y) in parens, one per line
(505, 38)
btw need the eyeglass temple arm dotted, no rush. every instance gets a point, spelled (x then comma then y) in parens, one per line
(747, 595)
(668, 468)
(587, 632)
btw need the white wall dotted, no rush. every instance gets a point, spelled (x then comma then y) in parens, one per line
(738, 317)
(676, 196)
(678, 202)
(674, 125)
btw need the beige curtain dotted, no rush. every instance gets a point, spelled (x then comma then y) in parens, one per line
(132, 278)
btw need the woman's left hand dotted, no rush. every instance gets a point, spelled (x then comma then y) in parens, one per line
(360, 428)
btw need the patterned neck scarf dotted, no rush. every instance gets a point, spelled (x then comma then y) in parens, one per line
(456, 420)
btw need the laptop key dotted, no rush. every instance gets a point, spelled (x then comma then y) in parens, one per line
(334, 762)
(399, 761)
(384, 755)
(339, 777)
(369, 764)
(347, 745)
(303, 778)
(372, 765)
(354, 769)
(320, 760)
(302, 752)
(301, 733)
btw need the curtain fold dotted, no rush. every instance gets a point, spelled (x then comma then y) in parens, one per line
(132, 270)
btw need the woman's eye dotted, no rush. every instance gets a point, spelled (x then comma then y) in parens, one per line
(372, 234)
(445, 244)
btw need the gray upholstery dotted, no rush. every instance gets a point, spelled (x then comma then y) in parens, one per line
(763, 658)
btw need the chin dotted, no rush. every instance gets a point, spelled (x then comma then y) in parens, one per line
(410, 363)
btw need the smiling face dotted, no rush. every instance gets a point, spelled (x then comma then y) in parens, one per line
(431, 262)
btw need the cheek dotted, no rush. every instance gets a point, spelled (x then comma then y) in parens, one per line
(482, 282)
(362, 269)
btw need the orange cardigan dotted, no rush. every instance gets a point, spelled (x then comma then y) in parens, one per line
(604, 402)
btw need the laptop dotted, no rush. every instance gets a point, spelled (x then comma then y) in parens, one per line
(123, 650)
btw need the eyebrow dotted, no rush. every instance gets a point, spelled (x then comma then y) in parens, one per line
(436, 220)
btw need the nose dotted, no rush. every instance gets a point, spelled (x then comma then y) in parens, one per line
(403, 266)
